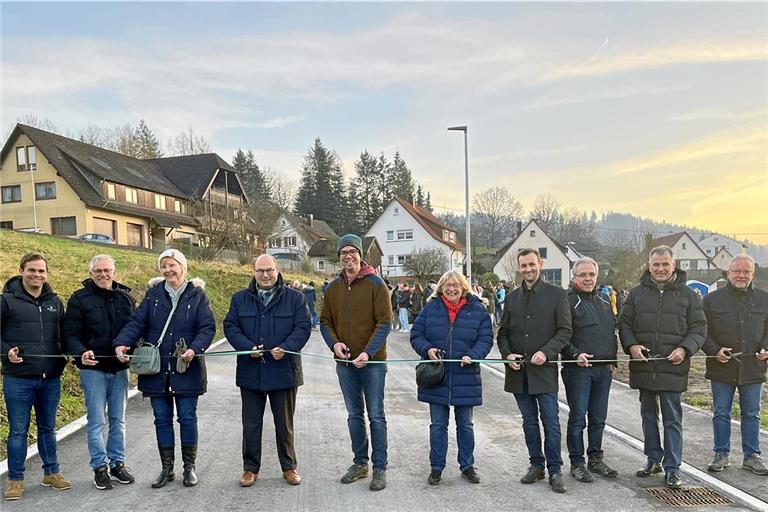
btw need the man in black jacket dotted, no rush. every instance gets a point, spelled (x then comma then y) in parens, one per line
(662, 320)
(737, 333)
(587, 384)
(535, 327)
(30, 326)
(95, 315)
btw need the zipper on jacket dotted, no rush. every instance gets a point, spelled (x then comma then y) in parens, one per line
(450, 356)
(349, 314)
(656, 347)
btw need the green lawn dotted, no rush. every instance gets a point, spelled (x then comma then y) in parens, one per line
(68, 267)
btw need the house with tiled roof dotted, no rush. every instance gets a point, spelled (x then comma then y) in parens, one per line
(712, 243)
(64, 186)
(688, 253)
(322, 255)
(293, 236)
(404, 227)
(558, 257)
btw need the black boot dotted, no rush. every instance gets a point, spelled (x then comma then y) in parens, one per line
(188, 455)
(166, 475)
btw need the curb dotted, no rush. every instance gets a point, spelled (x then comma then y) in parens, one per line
(74, 426)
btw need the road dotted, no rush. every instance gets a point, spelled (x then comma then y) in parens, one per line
(324, 453)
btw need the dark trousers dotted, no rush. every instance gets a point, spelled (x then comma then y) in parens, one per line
(671, 407)
(283, 405)
(587, 391)
(532, 407)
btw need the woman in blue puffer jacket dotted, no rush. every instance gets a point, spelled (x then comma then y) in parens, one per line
(189, 333)
(454, 323)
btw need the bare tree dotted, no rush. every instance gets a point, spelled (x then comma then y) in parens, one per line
(283, 189)
(187, 143)
(426, 263)
(508, 266)
(497, 211)
(546, 211)
(263, 217)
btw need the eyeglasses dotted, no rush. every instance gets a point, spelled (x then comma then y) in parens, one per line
(98, 271)
(586, 274)
(262, 271)
(741, 272)
(347, 253)
(452, 285)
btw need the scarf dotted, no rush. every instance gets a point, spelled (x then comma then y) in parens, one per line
(265, 295)
(453, 309)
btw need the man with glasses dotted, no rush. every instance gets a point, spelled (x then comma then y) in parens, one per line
(96, 314)
(662, 320)
(270, 317)
(587, 384)
(355, 322)
(737, 333)
(535, 327)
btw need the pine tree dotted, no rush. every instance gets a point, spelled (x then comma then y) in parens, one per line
(401, 178)
(146, 143)
(322, 191)
(428, 202)
(419, 196)
(364, 198)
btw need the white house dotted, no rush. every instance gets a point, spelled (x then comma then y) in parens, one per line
(722, 258)
(320, 255)
(688, 254)
(403, 228)
(558, 258)
(713, 242)
(293, 236)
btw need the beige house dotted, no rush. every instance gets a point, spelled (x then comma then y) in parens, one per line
(62, 186)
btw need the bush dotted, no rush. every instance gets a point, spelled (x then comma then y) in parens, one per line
(489, 276)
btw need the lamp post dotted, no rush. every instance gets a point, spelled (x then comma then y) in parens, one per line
(466, 200)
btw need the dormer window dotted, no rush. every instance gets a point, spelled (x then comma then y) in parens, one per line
(111, 193)
(533, 233)
(26, 158)
(684, 244)
(397, 210)
(452, 236)
(131, 195)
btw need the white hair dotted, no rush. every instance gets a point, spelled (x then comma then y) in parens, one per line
(100, 257)
(583, 261)
(745, 257)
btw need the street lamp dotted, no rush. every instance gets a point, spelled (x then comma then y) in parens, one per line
(466, 199)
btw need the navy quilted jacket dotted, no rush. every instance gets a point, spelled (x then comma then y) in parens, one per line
(470, 335)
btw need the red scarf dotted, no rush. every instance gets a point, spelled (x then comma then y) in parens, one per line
(453, 309)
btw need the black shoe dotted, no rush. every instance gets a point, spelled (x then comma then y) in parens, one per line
(534, 473)
(470, 475)
(557, 483)
(166, 474)
(672, 480)
(650, 468)
(121, 474)
(101, 478)
(720, 462)
(581, 473)
(598, 467)
(434, 477)
(188, 455)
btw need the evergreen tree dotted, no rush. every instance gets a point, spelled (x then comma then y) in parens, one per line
(428, 202)
(401, 179)
(419, 196)
(364, 198)
(146, 143)
(256, 185)
(322, 191)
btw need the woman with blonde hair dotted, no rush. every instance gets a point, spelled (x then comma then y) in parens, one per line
(454, 324)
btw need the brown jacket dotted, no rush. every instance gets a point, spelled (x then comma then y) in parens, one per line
(358, 314)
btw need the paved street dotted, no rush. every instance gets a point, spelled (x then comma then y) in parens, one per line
(324, 454)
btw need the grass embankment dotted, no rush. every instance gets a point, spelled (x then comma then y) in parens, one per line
(68, 267)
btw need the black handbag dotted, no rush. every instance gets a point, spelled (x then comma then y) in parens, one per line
(430, 374)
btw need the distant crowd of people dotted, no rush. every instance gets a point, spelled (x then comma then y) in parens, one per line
(541, 329)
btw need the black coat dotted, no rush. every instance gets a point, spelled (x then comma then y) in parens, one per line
(736, 319)
(94, 318)
(33, 325)
(282, 323)
(662, 321)
(538, 319)
(594, 327)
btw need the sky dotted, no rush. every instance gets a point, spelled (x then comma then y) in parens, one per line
(657, 109)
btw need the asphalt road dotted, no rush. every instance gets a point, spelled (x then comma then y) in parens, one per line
(324, 453)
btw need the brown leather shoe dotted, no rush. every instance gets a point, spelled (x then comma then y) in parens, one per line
(292, 477)
(248, 479)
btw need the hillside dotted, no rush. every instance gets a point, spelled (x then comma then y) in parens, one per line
(68, 267)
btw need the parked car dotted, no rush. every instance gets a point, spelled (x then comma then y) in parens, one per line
(94, 237)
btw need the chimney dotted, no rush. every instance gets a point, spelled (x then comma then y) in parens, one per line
(311, 219)
(519, 227)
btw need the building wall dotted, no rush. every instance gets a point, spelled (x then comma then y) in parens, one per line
(66, 204)
(711, 243)
(506, 266)
(284, 229)
(686, 251)
(396, 218)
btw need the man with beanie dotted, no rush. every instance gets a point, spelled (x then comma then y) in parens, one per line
(272, 317)
(30, 324)
(355, 322)
(95, 315)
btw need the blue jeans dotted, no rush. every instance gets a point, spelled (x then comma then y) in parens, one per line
(531, 407)
(587, 390)
(672, 420)
(403, 313)
(21, 395)
(363, 389)
(438, 435)
(105, 398)
(186, 412)
(313, 318)
(749, 403)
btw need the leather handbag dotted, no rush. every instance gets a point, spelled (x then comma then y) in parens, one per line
(430, 374)
(145, 360)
